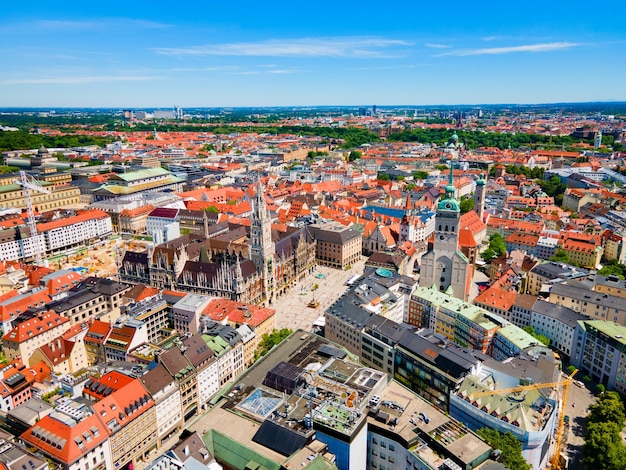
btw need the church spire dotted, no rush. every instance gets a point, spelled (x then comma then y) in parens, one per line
(205, 218)
(450, 190)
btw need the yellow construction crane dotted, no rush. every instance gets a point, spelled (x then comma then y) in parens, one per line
(555, 460)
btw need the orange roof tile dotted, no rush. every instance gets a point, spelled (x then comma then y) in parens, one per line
(80, 217)
(64, 445)
(237, 312)
(34, 327)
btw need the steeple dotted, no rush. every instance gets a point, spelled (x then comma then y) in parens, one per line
(479, 196)
(450, 188)
(261, 245)
(205, 218)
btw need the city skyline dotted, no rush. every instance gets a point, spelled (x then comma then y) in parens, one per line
(147, 55)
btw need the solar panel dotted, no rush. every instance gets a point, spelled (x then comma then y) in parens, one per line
(279, 439)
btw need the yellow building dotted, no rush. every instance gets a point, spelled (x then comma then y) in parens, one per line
(12, 196)
(25, 338)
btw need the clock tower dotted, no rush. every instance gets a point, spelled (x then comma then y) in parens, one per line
(444, 266)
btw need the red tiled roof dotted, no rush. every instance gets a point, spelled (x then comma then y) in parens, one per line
(84, 216)
(35, 326)
(98, 331)
(124, 405)
(107, 384)
(11, 308)
(90, 432)
(237, 312)
(58, 350)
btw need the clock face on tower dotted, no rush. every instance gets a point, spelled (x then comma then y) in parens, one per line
(442, 237)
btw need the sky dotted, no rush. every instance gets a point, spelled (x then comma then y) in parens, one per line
(138, 54)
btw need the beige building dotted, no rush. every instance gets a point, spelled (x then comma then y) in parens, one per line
(594, 305)
(61, 356)
(12, 196)
(337, 246)
(134, 220)
(25, 338)
(611, 285)
(129, 415)
(99, 298)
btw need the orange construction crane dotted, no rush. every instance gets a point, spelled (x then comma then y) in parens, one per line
(555, 460)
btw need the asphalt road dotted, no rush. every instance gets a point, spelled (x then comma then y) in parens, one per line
(579, 399)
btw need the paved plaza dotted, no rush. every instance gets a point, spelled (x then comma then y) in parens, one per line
(292, 310)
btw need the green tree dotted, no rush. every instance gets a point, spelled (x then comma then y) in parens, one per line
(497, 244)
(269, 341)
(560, 256)
(555, 188)
(608, 409)
(354, 155)
(420, 175)
(467, 204)
(8, 169)
(212, 209)
(613, 267)
(410, 186)
(488, 255)
(603, 447)
(384, 177)
(497, 247)
(539, 337)
(509, 445)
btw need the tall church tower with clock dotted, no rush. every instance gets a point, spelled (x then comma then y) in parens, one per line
(262, 248)
(445, 266)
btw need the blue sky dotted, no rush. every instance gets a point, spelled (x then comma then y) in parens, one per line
(204, 54)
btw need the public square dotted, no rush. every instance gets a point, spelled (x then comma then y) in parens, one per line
(292, 309)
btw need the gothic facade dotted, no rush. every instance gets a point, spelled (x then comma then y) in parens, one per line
(253, 267)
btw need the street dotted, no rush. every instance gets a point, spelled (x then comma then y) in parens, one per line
(578, 403)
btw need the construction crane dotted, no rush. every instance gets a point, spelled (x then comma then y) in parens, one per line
(29, 184)
(555, 460)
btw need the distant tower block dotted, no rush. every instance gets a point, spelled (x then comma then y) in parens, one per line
(597, 143)
(178, 112)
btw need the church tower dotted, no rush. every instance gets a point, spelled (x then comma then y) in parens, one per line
(479, 197)
(444, 266)
(262, 247)
(407, 227)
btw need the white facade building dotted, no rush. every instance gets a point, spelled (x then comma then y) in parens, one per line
(556, 322)
(72, 231)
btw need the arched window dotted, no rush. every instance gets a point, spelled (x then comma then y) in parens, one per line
(453, 229)
(446, 228)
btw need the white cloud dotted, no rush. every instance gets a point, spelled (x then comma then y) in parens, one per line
(70, 25)
(305, 47)
(437, 46)
(75, 80)
(283, 71)
(546, 47)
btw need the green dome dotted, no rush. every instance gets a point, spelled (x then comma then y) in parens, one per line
(480, 182)
(451, 205)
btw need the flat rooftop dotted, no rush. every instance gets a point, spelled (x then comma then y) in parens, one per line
(419, 423)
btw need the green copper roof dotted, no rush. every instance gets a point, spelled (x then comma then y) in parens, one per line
(449, 205)
(140, 174)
